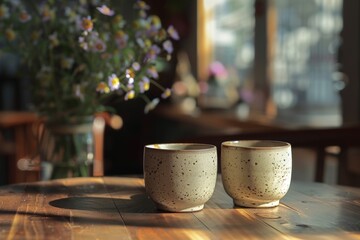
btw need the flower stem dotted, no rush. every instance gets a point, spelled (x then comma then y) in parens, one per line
(145, 98)
(157, 85)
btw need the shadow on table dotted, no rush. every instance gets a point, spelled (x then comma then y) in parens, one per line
(138, 203)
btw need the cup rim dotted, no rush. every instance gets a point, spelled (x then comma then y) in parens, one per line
(250, 144)
(180, 147)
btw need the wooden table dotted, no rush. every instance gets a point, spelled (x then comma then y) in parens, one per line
(118, 208)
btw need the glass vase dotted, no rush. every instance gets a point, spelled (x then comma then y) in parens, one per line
(67, 149)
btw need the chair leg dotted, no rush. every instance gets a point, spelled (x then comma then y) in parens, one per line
(320, 165)
(343, 173)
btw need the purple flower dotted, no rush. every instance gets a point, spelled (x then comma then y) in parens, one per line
(24, 17)
(144, 84)
(153, 52)
(166, 93)
(142, 14)
(155, 21)
(218, 70)
(173, 33)
(141, 5)
(136, 66)
(153, 72)
(83, 44)
(167, 45)
(99, 45)
(78, 92)
(121, 38)
(106, 10)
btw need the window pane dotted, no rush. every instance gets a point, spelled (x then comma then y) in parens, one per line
(306, 58)
(230, 32)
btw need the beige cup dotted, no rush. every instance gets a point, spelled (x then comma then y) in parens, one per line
(180, 177)
(256, 173)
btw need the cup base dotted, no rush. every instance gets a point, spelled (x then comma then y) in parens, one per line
(242, 203)
(191, 209)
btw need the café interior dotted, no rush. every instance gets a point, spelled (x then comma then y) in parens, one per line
(284, 70)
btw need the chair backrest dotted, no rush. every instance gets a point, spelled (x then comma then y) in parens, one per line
(16, 129)
(319, 140)
(98, 131)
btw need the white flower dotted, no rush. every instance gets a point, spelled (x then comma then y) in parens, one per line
(151, 105)
(99, 45)
(114, 82)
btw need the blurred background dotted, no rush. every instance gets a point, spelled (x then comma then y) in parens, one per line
(240, 66)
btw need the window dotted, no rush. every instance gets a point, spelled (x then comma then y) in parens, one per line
(305, 60)
(299, 41)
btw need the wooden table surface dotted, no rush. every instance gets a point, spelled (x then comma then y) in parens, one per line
(118, 208)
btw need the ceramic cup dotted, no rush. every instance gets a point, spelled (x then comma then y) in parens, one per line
(256, 173)
(180, 177)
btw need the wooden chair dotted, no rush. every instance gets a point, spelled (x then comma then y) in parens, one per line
(318, 140)
(20, 144)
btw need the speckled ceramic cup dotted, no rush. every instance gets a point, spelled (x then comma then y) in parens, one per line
(256, 173)
(180, 177)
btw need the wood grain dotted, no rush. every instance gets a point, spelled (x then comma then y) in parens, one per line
(118, 208)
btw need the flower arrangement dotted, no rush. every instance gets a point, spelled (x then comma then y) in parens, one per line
(82, 52)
